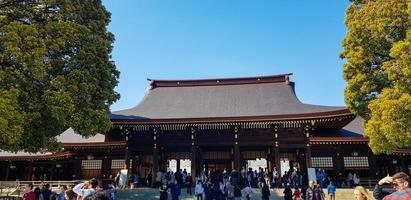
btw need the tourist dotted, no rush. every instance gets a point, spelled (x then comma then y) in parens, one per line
(69, 194)
(243, 173)
(331, 190)
(60, 194)
(320, 178)
(46, 192)
(175, 190)
(288, 193)
(85, 189)
(229, 191)
(285, 179)
(265, 192)
(53, 196)
(136, 180)
(149, 180)
(360, 193)
(237, 193)
(222, 190)
(209, 191)
(30, 194)
(355, 179)
(248, 191)
(294, 179)
(189, 183)
(401, 184)
(111, 191)
(250, 176)
(297, 194)
(199, 190)
(275, 178)
(350, 181)
(318, 193)
(314, 192)
(37, 193)
(163, 191)
(122, 182)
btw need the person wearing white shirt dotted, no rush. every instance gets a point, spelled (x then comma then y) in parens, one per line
(123, 178)
(85, 189)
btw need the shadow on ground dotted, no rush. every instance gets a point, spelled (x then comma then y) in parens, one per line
(152, 194)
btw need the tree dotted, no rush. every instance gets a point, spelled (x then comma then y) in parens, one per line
(377, 49)
(56, 71)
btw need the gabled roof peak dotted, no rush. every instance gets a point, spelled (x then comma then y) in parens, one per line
(220, 81)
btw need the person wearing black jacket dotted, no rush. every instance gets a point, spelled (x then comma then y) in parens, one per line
(265, 192)
(189, 184)
(237, 192)
(288, 193)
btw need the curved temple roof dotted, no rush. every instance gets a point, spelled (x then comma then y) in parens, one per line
(221, 98)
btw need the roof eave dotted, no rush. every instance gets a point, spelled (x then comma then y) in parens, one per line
(307, 116)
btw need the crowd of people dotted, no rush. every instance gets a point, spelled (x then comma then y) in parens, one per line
(87, 190)
(224, 185)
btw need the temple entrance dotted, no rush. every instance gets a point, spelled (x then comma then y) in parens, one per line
(175, 165)
(292, 159)
(256, 164)
(216, 165)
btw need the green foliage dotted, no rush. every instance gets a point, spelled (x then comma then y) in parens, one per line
(377, 48)
(55, 71)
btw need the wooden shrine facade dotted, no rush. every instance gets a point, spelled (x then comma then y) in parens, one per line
(215, 124)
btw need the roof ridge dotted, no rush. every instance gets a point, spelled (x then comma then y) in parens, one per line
(220, 81)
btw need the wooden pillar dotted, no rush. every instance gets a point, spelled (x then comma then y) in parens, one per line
(77, 168)
(155, 164)
(164, 159)
(127, 152)
(276, 150)
(30, 171)
(374, 169)
(194, 162)
(237, 159)
(52, 169)
(194, 158)
(155, 158)
(178, 165)
(403, 164)
(277, 158)
(6, 178)
(307, 130)
(308, 155)
(270, 159)
(106, 167)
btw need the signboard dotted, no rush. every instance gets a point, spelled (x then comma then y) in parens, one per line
(311, 175)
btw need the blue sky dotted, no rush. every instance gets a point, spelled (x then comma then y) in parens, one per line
(193, 39)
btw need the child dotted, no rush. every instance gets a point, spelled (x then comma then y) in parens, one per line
(331, 190)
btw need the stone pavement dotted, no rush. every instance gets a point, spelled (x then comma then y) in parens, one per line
(153, 194)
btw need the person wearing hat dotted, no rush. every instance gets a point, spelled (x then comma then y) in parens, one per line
(85, 189)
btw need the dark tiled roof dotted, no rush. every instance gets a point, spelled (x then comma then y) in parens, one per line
(70, 136)
(35, 156)
(353, 129)
(242, 97)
